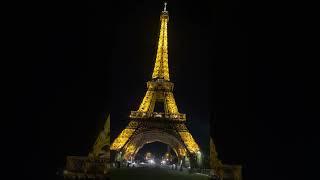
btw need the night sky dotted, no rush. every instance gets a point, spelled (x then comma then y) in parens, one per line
(234, 66)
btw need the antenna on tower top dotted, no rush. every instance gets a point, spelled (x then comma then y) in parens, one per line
(165, 6)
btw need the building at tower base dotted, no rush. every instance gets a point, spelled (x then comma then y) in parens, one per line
(94, 166)
(223, 171)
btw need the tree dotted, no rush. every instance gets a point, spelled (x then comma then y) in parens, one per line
(215, 163)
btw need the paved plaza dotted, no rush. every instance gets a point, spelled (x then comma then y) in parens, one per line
(156, 173)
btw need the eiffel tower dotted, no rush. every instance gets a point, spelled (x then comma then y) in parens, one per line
(146, 125)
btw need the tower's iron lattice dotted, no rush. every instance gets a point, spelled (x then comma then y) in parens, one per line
(148, 126)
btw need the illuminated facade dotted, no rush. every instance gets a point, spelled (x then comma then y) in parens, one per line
(224, 171)
(146, 125)
(102, 144)
(96, 164)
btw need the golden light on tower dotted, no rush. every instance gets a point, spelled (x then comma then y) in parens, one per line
(121, 139)
(161, 68)
(144, 106)
(192, 146)
(129, 151)
(182, 152)
(170, 121)
(171, 103)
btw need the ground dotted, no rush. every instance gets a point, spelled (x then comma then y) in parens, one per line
(146, 173)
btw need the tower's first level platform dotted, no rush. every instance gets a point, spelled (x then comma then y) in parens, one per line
(157, 115)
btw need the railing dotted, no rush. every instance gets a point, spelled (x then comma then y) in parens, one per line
(205, 171)
(80, 164)
(138, 114)
(229, 172)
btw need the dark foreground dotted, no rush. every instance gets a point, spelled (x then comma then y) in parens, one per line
(146, 173)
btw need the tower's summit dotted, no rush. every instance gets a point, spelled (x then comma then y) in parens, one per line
(165, 7)
(161, 67)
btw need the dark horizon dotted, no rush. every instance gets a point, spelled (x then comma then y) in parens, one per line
(256, 100)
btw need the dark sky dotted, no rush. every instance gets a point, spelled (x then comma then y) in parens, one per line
(236, 66)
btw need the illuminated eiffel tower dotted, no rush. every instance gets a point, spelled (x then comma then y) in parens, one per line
(146, 125)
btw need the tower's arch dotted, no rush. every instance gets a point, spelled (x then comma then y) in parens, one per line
(149, 136)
